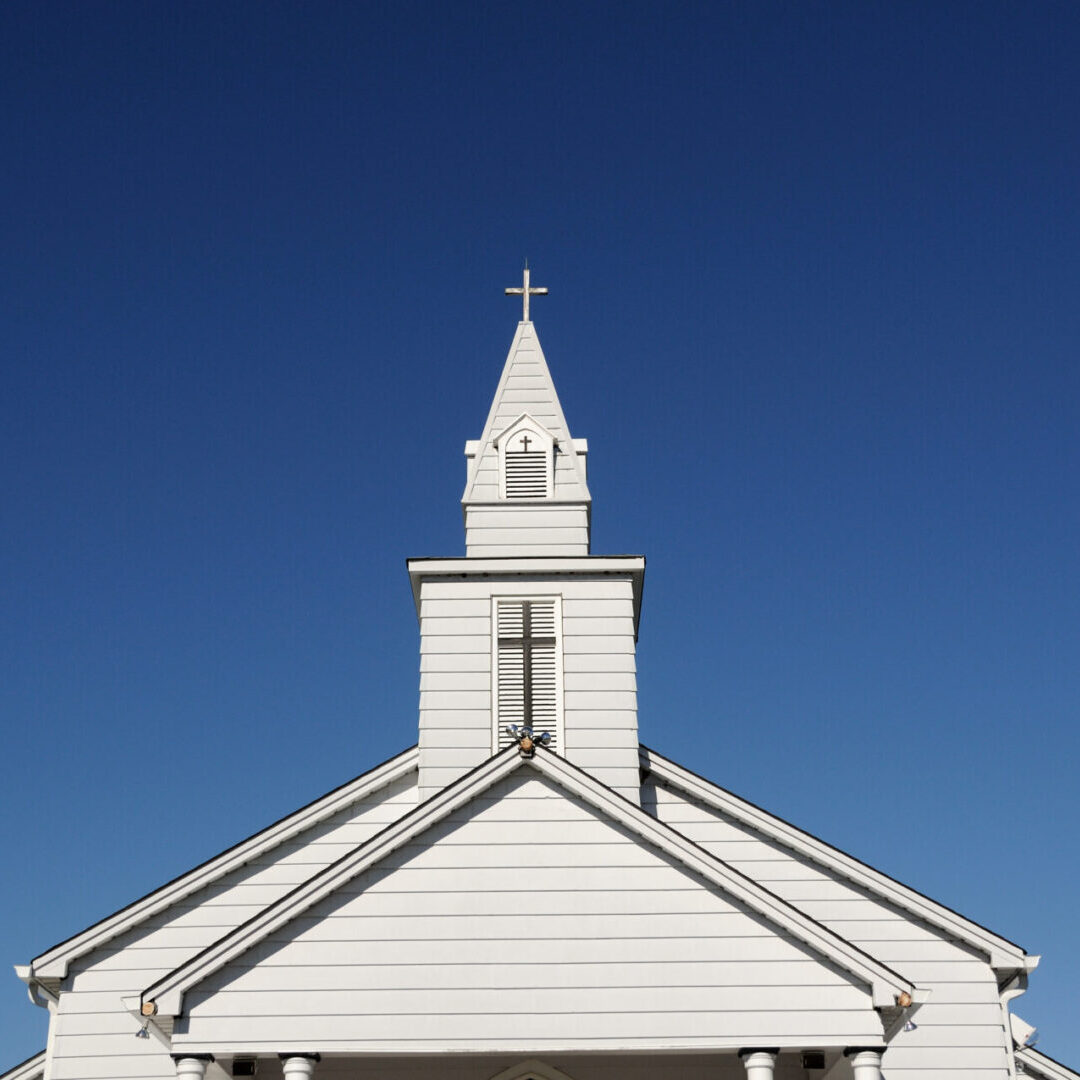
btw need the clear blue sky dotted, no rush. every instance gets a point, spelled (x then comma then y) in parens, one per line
(814, 284)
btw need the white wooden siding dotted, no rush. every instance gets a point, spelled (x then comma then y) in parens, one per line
(526, 906)
(94, 1035)
(526, 387)
(516, 529)
(959, 1030)
(599, 698)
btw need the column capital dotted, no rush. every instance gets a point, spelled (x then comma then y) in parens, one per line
(191, 1066)
(852, 1051)
(748, 1050)
(299, 1065)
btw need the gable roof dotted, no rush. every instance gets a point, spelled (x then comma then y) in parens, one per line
(1004, 955)
(1036, 1063)
(33, 1068)
(53, 963)
(165, 997)
(526, 386)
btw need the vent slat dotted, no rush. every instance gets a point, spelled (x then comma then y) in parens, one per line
(541, 709)
(526, 474)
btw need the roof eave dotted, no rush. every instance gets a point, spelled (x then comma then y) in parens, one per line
(54, 962)
(1004, 956)
(166, 996)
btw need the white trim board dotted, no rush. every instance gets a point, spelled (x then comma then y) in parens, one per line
(166, 995)
(33, 1068)
(53, 963)
(1004, 955)
(1037, 1064)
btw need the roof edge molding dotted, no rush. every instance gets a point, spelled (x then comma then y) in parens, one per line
(53, 963)
(33, 1068)
(1003, 955)
(166, 996)
(546, 566)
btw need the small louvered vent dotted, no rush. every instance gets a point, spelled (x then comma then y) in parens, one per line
(527, 668)
(526, 474)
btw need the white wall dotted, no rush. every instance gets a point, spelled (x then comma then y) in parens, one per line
(94, 1035)
(599, 679)
(960, 1031)
(526, 921)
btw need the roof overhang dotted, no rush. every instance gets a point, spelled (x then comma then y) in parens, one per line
(165, 998)
(550, 568)
(1007, 958)
(33, 1068)
(52, 965)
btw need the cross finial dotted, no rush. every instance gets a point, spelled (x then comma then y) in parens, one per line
(525, 292)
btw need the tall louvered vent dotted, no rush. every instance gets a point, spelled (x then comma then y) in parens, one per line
(527, 668)
(526, 474)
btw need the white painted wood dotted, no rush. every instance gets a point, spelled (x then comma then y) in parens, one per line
(525, 387)
(301, 1067)
(94, 1034)
(597, 696)
(866, 1065)
(54, 962)
(447, 950)
(192, 1068)
(962, 1021)
(759, 1064)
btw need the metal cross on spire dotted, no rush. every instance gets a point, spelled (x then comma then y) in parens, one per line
(525, 292)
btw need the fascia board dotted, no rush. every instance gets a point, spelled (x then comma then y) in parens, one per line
(167, 994)
(1002, 953)
(54, 962)
(551, 566)
(886, 984)
(525, 420)
(1036, 1062)
(31, 1069)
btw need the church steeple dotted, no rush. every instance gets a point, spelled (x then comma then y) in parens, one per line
(528, 630)
(526, 489)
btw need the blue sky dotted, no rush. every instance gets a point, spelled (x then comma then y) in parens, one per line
(814, 282)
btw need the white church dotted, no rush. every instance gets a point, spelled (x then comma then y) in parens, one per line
(673, 930)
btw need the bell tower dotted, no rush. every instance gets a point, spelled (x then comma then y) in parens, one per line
(528, 629)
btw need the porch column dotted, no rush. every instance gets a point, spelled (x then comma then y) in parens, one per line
(191, 1066)
(759, 1062)
(298, 1066)
(865, 1061)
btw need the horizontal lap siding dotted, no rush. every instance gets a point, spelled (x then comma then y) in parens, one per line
(526, 903)
(94, 1036)
(959, 1029)
(599, 680)
(514, 529)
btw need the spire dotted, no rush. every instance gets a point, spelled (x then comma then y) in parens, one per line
(526, 490)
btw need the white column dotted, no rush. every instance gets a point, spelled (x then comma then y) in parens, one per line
(191, 1068)
(298, 1066)
(865, 1061)
(759, 1063)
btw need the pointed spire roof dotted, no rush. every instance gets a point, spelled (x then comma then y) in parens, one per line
(525, 389)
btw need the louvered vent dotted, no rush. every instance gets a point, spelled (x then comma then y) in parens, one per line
(526, 474)
(527, 686)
